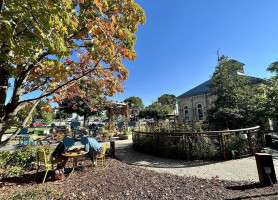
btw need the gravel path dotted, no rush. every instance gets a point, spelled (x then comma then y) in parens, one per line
(243, 169)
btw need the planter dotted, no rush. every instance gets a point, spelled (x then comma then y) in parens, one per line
(123, 137)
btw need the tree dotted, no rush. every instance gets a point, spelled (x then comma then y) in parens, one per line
(156, 110)
(168, 99)
(61, 114)
(23, 113)
(78, 105)
(47, 117)
(137, 101)
(40, 109)
(233, 105)
(267, 101)
(48, 46)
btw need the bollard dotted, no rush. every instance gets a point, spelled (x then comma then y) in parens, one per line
(265, 169)
(112, 148)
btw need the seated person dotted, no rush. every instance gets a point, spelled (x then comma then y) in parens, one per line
(57, 155)
(93, 147)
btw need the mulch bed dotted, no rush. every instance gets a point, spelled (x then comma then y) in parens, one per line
(122, 181)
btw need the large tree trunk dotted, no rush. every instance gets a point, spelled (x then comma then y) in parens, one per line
(3, 143)
(10, 113)
(84, 121)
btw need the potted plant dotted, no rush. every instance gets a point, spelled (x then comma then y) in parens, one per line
(125, 135)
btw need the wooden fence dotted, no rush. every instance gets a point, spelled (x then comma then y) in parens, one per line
(253, 136)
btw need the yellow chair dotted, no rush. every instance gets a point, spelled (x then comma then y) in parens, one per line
(101, 156)
(42, 161)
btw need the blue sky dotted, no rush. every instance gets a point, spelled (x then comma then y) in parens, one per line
(176, 48)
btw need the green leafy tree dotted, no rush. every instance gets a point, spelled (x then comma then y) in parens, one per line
(136, 101)
(23, 113)
(47, 117)
(39, 109)
(156, 110)
(168, 99)
(232, 106)
(48, 46)
(267, 101)
(61, 114)
(80, 106)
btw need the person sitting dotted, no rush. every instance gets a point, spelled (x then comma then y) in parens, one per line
(93, 147)
(57, 155)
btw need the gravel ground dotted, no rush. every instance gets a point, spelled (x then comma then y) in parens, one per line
(123, 181)
(140, 176)
(244, 169)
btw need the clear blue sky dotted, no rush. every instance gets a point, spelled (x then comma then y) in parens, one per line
(176, 48)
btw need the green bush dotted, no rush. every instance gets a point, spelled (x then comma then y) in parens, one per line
(237, 144)
(13, 163)
(4, 156)
(13, 171)
(202, 147)
(170, 147)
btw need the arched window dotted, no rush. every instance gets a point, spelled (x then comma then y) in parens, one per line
(200, 111)
(186, 113)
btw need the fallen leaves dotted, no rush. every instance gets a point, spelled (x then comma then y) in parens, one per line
(122, 181)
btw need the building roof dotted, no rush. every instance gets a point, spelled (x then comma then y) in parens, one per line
(204, 87)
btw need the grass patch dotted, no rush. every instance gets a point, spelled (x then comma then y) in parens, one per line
(12, 130)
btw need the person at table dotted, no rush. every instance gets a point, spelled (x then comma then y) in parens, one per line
(93, 147)
(57, 155)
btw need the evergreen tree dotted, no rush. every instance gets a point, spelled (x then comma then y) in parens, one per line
(234, 97)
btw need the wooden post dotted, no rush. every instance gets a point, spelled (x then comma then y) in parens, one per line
(222, 146)
(155, 143)
(112, 149)
(186, 147)
(249, 135)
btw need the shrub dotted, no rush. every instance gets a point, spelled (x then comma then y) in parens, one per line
(202, 147)
(13, 163)
(237, 144)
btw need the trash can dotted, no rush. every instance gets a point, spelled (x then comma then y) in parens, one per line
(268, 140)
(265, 168)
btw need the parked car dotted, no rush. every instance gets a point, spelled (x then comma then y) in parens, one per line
(105, 120)
(36, 123)
(149, 120)
(141, 119)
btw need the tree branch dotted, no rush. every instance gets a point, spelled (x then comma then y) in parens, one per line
(82, 29)
(37, 87)
(63, 85)
(1, 5)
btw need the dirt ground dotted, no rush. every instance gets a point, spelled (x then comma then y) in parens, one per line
(119, 180)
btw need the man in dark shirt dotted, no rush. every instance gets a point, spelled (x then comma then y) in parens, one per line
(57, 155)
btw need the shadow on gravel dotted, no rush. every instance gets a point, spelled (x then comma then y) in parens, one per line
(245, 187)
(128, 155)
(260, 196)
(21, 180)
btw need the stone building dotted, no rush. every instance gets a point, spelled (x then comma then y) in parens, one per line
(192, 105)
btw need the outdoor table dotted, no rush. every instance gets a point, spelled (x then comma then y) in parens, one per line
(37, 138)
(74, 156)
(23, 138)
